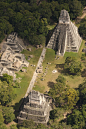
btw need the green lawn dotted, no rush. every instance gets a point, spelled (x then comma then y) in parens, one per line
(26, 77)
(49, 78)
(51, 27)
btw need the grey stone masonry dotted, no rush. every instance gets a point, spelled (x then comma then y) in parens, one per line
(36, 107)
(12, 60)
(65, 36)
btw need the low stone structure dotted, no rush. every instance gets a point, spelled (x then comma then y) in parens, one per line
(39, 46)
(11, 60)
(39, 69)
(65, 36)
(36, 107)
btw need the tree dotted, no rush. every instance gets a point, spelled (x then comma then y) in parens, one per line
(8, 114)
(61, 79)
(6, 93)
(71, 66)
(3, 126)
(83, 109)
(75, 8)
(5, 26)
(56, 113)
(7, 78)
(29, 125)
(55, 8)
(41, 126)
(76, 120)
(42, 39)
(82, 92)
(60, 126)
(82, 29)
(13, 127)
(44, 10)
(68, 99)
(71, 98)
(58, 88)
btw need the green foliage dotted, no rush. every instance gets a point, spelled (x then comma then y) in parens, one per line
(71, 98)
(7, 78)
(1, 117)
(76, 120)
(42, 39)
(82, 92)
(75, 8)
(41, 126)
(82, 29)
(56, 113)
(67, 99)
(83, 109)
(13, 127)
(64, 96)
(28, 124)
(6, 93)
(58, 88)
(30, 18)
(83, 2)
(71, 66)
(60, 126)
(83, 57)
(61, 79)
(8, 114)
(3, 126)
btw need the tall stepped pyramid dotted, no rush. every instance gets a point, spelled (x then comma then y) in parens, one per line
(36, 106)
(65, 36)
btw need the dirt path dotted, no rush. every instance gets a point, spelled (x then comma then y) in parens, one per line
(11, 123)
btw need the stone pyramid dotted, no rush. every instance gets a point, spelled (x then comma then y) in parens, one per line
(65, 36)
(36, 107)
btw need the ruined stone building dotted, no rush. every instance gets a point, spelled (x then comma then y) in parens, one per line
(12, 60)
(36, 107)
(65, 36)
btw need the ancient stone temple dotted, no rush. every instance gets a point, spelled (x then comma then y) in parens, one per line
(36, 107)
(65, 36)
(11, 59)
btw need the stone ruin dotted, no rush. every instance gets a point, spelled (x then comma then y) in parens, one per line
(12, 60)
(65, 36)
(36, 107)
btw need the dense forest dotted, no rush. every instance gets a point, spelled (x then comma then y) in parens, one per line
(29, 18)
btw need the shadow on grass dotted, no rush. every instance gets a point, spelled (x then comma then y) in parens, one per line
(60, 68)
(50, 84)
(83, 73)
(17, 107)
